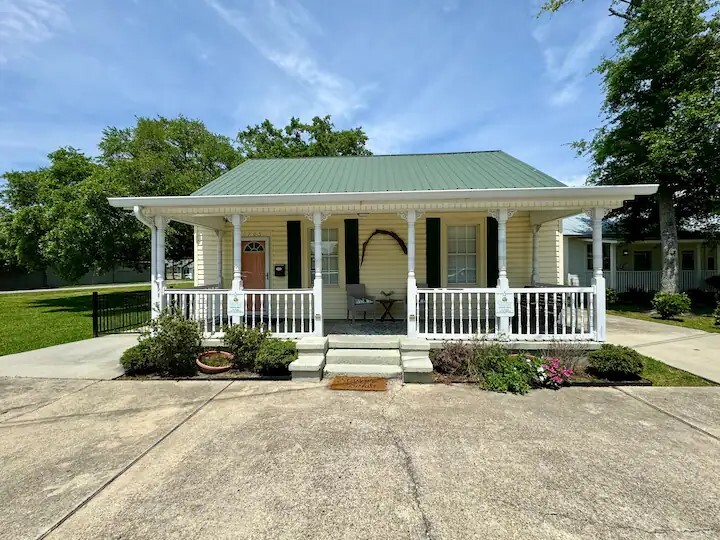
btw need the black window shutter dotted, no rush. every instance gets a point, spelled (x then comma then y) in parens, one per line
(492, 251)
(432, 252)
(352, 252)
(294, 255)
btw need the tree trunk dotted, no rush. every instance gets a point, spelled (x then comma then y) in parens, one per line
(668, 241)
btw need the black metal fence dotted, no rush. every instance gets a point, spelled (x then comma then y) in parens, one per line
(120, 311)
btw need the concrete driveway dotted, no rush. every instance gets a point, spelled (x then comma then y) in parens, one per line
(281, 460)
(692, 350)
(96, 358)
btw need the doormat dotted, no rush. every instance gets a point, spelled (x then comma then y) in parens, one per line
(363, 384)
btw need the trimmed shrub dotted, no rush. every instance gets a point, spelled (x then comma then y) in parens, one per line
(701, 298)
(669, 305)
(616, 363)
(275, 356)
(714, 282)
(716, 314)
(612, 297)
(140, 359)
(176, 342)
(170, 346)
(453, 358)
(244, 342)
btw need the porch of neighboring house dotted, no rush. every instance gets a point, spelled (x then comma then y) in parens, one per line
(638, 265)
(492, 274)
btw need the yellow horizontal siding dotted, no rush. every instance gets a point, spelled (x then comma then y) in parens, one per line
(385, 265)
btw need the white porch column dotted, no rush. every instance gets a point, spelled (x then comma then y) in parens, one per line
(598, 281)
(237, 221)
(502, 215)
(535, 279)
(317, 219)
(411, 217)
(613, 265)
(154, 296)
(219, 260)
(160, 225)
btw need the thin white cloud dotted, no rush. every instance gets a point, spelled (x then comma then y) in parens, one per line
(567, 67)
(278, 30)
(24, 23)
(574, 180)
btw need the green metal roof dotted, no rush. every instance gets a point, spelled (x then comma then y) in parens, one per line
(408, 172)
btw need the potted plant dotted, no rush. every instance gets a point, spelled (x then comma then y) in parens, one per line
(214, 361)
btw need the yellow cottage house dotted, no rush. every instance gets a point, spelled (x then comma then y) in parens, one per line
(422, 247)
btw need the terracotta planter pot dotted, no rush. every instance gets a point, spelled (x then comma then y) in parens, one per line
(204, 368)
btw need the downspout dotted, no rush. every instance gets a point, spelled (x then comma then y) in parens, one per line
(154, 300)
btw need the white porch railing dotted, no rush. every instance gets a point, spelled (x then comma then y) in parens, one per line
(285, 313)
(649, 280)
(541, 314)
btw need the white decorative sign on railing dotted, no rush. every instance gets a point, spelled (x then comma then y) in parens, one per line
(504, 304)
(235, 307)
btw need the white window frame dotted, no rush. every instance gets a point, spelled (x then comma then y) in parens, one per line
(467, 254)
(327, 274)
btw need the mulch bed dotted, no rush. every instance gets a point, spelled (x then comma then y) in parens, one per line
(232, 375)
(362, 384)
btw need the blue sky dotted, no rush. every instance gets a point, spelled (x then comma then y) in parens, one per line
(418, 75)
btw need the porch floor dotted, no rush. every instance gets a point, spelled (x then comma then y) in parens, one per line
(365, 327)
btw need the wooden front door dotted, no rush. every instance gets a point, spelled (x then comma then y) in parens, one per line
(253, 264)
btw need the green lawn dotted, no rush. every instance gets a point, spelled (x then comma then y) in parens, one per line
(699, 319)
(661, 374)
(34, 320)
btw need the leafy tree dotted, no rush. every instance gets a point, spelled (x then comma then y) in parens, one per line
(319, 138)
(164, 157)
(662, 117)
(58, 216)
(36, 205)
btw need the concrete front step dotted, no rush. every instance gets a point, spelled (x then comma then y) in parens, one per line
(371, 357)
(362, 370)
(337, 341)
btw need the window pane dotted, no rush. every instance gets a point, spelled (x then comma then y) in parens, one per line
(330, 260)
(688, 260)
(462, 259)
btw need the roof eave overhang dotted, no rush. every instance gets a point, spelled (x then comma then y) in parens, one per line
(559, 193)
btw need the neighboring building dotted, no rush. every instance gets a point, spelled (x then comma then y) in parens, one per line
(635, 265)
(16, 280)
(458, 238)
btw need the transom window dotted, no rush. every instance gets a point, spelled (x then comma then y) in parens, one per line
(605, 257)
(462, 254)
(330, 257)
(254, 247)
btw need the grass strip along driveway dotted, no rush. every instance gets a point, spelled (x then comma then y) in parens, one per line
(30, 321)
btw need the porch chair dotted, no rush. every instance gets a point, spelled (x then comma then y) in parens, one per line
(358, 301)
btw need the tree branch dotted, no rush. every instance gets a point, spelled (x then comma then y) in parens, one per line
(615, 12)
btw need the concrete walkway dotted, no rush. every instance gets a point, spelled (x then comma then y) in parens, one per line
(692, 350)
(95, 358)
(285, 460)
